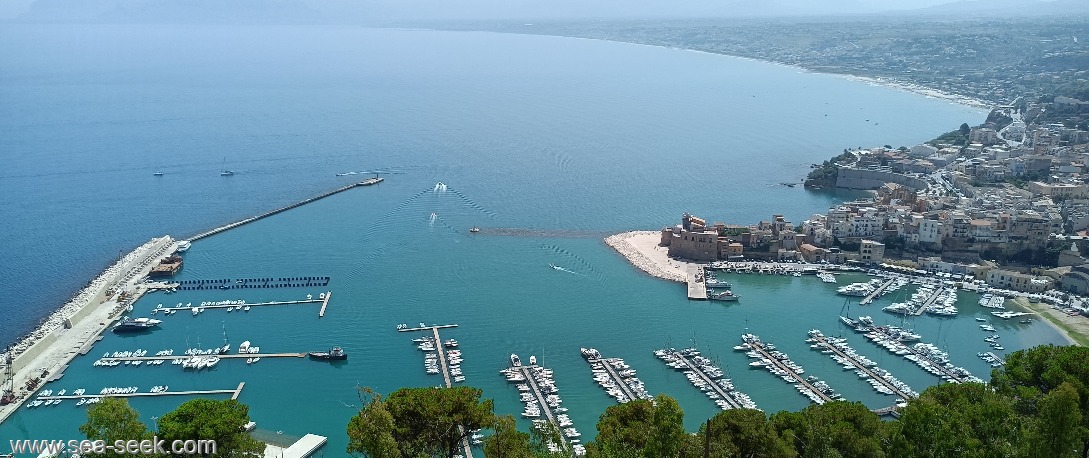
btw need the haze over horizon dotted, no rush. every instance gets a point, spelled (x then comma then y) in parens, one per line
(377, 11)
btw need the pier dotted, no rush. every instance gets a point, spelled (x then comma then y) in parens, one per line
(234, 394)
(942, 369)
(324, 301)
(710, 381)
(238, 356)
(929, 301)
(997, 358)
(758, 347)
(697, 288)
(824, 343)
(613, 376)
(367, 182)
(877, 292)
(443, 366)
(542, 401)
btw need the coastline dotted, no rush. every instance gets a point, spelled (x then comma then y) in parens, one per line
(70, 330)
(872, 80)
(1074, 329)
(641, 249)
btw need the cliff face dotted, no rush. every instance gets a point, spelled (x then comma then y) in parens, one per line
(824, 176)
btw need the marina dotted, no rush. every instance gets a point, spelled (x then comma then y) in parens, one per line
(779, 364)
(880, 379)
(706, 377)
(615, 376)
(451, 373)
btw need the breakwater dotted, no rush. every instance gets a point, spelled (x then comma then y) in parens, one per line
(367, 182)
(622, 244)
(252, 283)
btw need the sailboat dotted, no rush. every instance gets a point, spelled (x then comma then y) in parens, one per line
(226, 348)
(225, 172)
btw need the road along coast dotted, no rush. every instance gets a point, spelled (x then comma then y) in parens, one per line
(45, 352)
(642, 250)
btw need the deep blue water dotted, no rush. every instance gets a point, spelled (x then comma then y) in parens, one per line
(576, 136)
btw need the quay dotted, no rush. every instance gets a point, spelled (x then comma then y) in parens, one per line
(302, 448)
(234, 394)
(324, 301)
(697, 288)
(441, 350)
(758, 347)
(824, 343)
(238, 356)
(877, 292)
(367, 182)
(719, 390)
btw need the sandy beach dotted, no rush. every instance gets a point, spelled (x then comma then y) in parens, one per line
(1074, 328)
(80, 321)
(642, 250)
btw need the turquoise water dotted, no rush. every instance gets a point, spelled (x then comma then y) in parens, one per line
(574, 136)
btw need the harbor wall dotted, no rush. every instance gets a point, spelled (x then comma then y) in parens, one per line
(851, 178)
(43, 344)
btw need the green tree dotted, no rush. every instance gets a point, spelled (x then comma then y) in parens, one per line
(841, 429)
(1057, 429)
(957, 420)
(1030, 375)
(111, 420)
(210, 419)
(507, 442)
(422, 422)
(623, 430)
(667, 431)
(741, 433)
(965, 129)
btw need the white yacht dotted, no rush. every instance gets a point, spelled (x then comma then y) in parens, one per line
(183, 245)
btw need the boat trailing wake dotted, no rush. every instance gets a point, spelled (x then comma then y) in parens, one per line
(561, 269)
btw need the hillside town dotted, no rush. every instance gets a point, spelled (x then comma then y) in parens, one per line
(1006, 202)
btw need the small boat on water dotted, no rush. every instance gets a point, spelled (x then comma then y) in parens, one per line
(158, 174)
(184, 245)
(515, 361)
(129, 325)
(474, 229)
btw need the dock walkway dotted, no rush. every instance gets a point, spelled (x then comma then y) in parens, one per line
(759, 348)
(821, 340)
(614, 376)
(234, 394)
(922, 359)
(929, 301)
(541, 400)
(710, 381)
(697, 287)
(238, 356)
(877, 292)
(323, 301)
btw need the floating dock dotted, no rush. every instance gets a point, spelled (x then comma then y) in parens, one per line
(929, 301)
(681, 360)
(876, 374)
(234, 394)
(238, 356)
(608, 365)
(304, 447)
(697, 288)
(759, 347)
(543, 402)
(877, 292)
(367, 182)
(324, 301)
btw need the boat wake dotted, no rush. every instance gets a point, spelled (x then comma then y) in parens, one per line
(561, 269)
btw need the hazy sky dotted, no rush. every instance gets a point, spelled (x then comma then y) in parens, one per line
(492, 9)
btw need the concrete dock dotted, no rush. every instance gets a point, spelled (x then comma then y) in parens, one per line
(444, 367)
(323, 301)
(234, 394)
(697, 288)
(922, 360)
(228, 356)
(721, 392)
(929, 301)
(877, 292)
(542, 401)
(759, 348)
(614, 376)
(304, 447)
(821, 340)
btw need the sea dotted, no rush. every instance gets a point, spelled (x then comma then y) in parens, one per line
(547, 144)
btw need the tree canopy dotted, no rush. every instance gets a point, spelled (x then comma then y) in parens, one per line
(221, 421)
(416, 422)
(111, 420)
